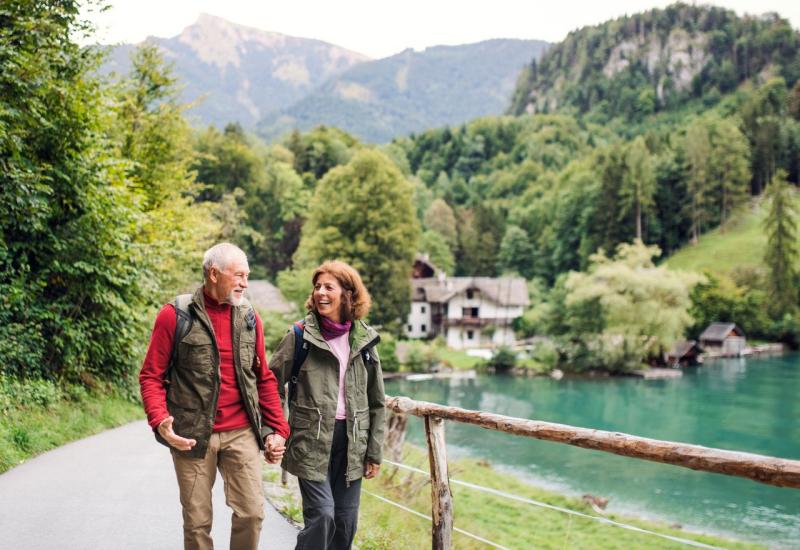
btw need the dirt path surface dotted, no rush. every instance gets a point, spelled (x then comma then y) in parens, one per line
(115, 490)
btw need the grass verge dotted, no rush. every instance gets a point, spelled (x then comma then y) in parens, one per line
(36, 416)
(506, 522)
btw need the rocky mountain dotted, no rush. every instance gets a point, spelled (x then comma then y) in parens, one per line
(412, 91)
(241, 73)
(657, 60)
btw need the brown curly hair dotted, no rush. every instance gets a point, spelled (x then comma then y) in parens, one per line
(355, 297)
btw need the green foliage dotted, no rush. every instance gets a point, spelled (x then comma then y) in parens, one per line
(626, 67)
(504, 359)
(96, 216)
(434, 245)
(621, 311)
(269, 197)
(362, 213)
(720, 299)
(387, 351)
(71, 293)
(421, 356)
(516, 252)
(781, 254)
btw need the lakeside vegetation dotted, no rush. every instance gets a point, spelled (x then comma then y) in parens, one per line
(506, 522)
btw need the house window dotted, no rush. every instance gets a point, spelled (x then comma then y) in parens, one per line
(470, 293)
(423, 328)
(471, 312)
(410, 328)
(470, 335)
(422, 309)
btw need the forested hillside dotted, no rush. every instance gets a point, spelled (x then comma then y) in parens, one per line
(655, 61)
(411, 91)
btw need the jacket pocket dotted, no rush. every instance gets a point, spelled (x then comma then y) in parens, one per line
(361, 432)
(306, 428)
(197, 351)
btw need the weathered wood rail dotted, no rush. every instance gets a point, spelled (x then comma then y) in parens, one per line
(765, 469)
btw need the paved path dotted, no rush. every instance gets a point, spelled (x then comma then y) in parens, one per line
(115, 490)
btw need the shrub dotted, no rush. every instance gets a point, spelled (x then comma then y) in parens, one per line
(503, 360)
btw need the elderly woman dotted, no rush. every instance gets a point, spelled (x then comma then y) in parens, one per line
(336, 405)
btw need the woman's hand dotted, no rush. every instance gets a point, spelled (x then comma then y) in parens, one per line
(276, 446)
(371, 470)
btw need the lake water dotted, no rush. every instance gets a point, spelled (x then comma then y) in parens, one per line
(750, 405)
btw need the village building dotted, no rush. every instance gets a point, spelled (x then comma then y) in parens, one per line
(684, 353)
(723, 340)
(468, 312)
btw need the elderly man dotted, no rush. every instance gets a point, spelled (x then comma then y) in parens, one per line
(211, 398)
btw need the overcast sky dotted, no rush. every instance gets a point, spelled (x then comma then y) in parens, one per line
(379, 28)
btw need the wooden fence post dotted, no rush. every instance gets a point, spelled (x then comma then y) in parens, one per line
(442, 506)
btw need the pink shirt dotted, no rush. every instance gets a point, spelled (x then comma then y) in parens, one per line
(340, 346)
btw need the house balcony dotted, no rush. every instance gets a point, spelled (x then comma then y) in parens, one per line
(471, 321)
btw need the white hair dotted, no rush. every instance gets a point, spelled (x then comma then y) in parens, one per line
(220, 255)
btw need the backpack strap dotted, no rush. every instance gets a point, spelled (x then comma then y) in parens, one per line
(183, 324)
(300, 354)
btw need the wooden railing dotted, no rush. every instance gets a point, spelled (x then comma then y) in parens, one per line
(772, 471)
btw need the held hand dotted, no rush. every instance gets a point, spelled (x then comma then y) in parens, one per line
(371, 470)
(176, 441)
(276, 446)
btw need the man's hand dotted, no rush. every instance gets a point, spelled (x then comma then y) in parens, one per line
(276, 446)
(371, 470)
(176, 441)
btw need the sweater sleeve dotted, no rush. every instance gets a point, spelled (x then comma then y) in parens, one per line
(151, 377)
(268, 398)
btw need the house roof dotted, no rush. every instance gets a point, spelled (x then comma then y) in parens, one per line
(424, 267)
(681, 348)
(717, 332)
(264, 295)
(505, 291)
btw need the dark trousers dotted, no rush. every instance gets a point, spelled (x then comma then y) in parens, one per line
(330, 507)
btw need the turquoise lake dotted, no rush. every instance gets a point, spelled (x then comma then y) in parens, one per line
(750, 405)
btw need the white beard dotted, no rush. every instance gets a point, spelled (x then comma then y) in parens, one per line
(235, 300)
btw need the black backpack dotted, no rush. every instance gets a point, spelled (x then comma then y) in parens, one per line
(301, 352)
(183, 324)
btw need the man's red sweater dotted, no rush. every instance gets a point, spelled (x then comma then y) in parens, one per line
(230, 413)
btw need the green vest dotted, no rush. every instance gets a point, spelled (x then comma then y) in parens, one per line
(194, 382)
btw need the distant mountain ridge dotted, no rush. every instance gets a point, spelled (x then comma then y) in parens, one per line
(412, 91)
(656, 60)
(242, 73)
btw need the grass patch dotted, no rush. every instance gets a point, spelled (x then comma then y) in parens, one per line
(503, 521)
(36, 416)
(740, 244)
(458, 360)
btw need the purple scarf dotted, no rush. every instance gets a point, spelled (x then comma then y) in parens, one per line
(331, 330)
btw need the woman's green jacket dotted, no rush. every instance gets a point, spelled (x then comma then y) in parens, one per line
(312, 413)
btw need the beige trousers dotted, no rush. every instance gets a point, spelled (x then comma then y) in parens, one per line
(238, 458)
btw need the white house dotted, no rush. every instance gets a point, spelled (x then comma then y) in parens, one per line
(468, 312)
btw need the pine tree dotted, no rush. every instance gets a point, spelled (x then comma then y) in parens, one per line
(639, 183)
(782, 253)
(698, 149)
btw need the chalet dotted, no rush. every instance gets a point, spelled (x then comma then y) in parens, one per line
(467, 312)
(723, 339)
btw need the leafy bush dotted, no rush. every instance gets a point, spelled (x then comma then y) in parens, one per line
(503, 360)
(387, 350)
(421, 357)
